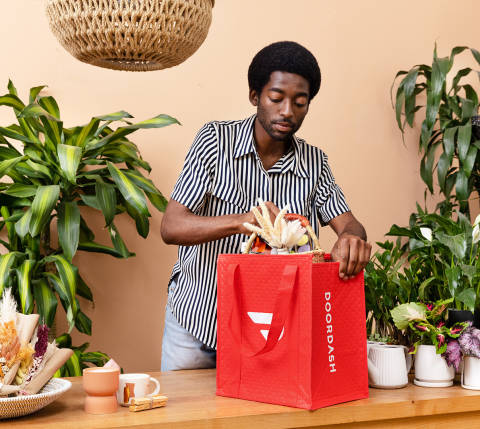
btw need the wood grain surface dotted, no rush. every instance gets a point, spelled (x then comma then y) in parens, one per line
(193, 404)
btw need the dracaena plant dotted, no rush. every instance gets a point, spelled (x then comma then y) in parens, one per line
(49, 174)
(446, 141)
(426, 322)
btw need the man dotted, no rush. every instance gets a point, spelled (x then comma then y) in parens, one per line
(229, 166)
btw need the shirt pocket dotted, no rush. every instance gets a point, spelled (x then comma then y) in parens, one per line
(231, 199)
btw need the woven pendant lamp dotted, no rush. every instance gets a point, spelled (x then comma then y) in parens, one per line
(134, 35)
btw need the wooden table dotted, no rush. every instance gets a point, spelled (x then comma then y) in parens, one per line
(193, 404)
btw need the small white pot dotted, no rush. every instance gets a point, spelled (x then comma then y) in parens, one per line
(471, 373)
(431, 369)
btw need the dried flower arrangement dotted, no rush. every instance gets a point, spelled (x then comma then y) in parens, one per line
(287, 234)
(27, 360)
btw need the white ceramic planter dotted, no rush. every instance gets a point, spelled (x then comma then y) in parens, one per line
(431, 369)
(388, 366)
(471, 373)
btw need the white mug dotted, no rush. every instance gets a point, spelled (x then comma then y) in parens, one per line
(471, 373)
(135, 386)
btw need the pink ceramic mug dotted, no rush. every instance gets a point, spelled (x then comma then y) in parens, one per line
(101, 385)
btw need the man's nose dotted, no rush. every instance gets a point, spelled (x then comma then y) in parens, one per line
(286, 110)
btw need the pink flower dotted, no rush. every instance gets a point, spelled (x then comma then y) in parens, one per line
(429, 306)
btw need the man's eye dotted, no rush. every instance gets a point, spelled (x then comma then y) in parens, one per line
(275, 100)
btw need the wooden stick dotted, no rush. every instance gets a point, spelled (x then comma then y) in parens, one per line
(147, 403)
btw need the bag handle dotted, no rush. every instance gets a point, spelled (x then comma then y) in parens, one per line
(280, 311)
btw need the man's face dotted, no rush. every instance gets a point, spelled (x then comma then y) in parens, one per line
(282, 104)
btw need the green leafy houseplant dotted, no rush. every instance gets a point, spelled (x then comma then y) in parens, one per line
(446, 253)
(426, 321)
(57, 171)
(446, 142)
(389, 280)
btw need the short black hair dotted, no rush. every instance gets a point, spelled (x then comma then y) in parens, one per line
(288, 57)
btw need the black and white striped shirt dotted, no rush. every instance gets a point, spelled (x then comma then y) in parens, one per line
(222, 175)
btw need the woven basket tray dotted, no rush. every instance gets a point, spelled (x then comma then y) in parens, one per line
(23, 405)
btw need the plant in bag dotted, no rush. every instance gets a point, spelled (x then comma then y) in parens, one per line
(426, 321)
(54, 176)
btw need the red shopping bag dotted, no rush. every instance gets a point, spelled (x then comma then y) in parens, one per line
(290, 332)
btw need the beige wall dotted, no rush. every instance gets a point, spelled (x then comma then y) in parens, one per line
(359, 45)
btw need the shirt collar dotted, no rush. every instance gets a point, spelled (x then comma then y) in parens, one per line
(292, 161)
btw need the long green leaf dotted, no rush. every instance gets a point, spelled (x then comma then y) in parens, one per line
(456, 243)
(83, 290)
(83, 323)
(9, 132)
(69, 157)
(461, 185)
(470, 160)
(129, 190)
(45, 300)
(158, 201)
(11, 101)
(449, 142)
(20, 190)
(69, 228)
(42, 206)
(22, 226)
(34, 110)
(73, 365)
(464, 136)
(6, 262)
(34, 92)
(141, 181)
(90, 246)
(50, 105)
(86, 133)
(118, 242)
(156, 122)
(114, 116)
(107, 200)
(8, 164)
(24, 285)
(91, 201)
(141, 221)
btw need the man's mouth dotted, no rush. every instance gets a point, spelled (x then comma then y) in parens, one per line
(283, 127)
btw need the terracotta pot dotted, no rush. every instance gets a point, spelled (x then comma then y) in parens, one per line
(101, 385)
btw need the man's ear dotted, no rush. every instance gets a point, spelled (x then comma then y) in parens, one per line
(253, 96)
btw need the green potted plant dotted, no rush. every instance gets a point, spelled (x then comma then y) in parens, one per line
(426, 321)
(446, 141)
(57, 171)
(447, 254)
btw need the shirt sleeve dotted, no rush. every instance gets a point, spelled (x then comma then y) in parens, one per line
(196, 178)
(329, 199)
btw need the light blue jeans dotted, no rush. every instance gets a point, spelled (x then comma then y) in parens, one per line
(181, 350)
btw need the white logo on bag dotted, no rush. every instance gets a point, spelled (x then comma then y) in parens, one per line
(328, 319)
(263, 319)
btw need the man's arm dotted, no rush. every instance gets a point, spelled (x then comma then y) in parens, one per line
(181, 226)
(351, 248)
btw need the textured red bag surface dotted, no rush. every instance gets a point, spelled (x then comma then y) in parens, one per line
(290, 332)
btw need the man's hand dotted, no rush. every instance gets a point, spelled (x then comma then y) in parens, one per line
(351, 248)
(353, 253)
(249, 217)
